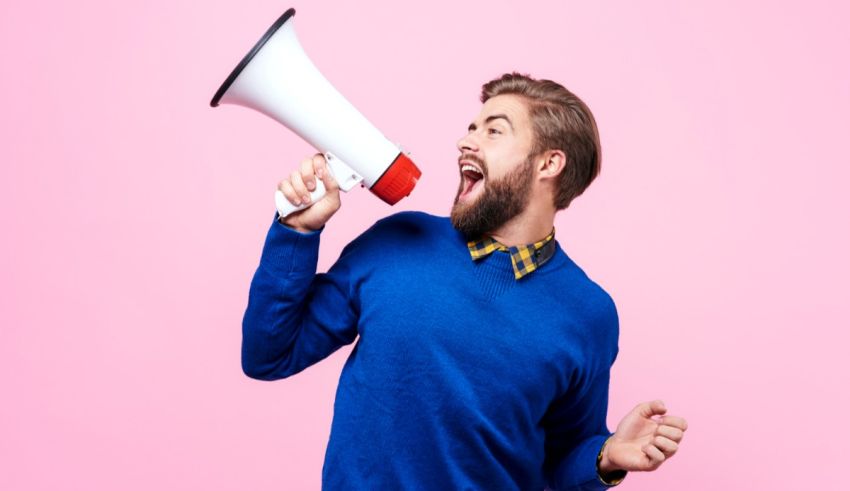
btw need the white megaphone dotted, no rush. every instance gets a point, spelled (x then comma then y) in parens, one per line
(277, 79)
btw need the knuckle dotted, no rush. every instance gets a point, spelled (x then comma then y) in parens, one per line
(308, 177)
(297, 183)
(288, 193)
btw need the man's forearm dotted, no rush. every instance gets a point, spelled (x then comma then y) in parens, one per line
(274, 314)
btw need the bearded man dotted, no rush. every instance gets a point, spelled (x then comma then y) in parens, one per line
(484, 351)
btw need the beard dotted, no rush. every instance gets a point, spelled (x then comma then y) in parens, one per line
(497, 203)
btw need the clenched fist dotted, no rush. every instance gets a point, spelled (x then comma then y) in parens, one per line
(642, 443)
(297, 189)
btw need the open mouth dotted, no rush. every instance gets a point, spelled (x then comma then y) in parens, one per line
(472, 179)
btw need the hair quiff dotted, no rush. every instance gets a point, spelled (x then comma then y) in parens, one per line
(560, 121)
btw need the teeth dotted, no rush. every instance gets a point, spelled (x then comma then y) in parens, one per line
(467, 167)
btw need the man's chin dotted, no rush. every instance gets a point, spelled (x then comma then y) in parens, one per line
(463, 218)
(462, 207)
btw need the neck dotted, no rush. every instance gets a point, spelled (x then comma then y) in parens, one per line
(533, 224)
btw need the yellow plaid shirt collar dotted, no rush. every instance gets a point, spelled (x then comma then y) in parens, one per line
(525, 258)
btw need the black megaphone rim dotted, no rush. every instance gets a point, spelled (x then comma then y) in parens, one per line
(247, 59)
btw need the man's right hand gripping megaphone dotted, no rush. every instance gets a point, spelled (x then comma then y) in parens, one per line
(277, 79)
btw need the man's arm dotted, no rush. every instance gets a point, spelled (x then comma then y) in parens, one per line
(576, 431)
(295, 317)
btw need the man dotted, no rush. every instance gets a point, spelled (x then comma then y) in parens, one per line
(484, 351)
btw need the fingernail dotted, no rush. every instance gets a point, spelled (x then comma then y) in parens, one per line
(311, 185)
(306, 199)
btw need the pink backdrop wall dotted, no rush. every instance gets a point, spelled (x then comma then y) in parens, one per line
(134, 214)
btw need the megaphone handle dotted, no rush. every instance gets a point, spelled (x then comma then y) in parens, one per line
(285, 207)
(346, 179)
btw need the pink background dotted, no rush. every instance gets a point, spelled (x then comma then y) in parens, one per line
(134, 215)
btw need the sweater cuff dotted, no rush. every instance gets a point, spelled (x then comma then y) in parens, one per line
(578, 470)
(612, 478)
(287, 250)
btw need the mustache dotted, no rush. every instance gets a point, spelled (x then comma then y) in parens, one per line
(475, 159)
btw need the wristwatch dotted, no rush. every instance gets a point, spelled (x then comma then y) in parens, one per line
(612, 478)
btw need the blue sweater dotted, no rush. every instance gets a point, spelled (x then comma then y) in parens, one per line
(462, 377)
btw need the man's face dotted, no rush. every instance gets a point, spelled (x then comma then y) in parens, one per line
(495, 165)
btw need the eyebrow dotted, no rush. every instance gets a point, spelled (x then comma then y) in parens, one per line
(491, 118)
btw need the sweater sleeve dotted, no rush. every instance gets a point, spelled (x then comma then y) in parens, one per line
(575, 432)
(295, 317)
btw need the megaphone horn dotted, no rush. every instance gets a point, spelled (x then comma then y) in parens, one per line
(277, 79)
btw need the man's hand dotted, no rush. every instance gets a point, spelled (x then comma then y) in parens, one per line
(642, 443)
(297, 190)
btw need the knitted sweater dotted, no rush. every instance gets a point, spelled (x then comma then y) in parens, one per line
(462, 377)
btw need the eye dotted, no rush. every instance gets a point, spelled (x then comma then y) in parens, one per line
(494, 130)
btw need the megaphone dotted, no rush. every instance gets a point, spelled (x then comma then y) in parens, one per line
(277, 79)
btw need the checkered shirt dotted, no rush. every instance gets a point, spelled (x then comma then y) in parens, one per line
(525, 258)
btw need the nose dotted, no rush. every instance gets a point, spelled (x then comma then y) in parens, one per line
(468, 143)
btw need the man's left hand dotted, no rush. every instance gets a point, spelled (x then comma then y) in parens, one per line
(642, 443)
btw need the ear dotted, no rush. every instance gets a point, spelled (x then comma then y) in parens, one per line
(551, 163)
